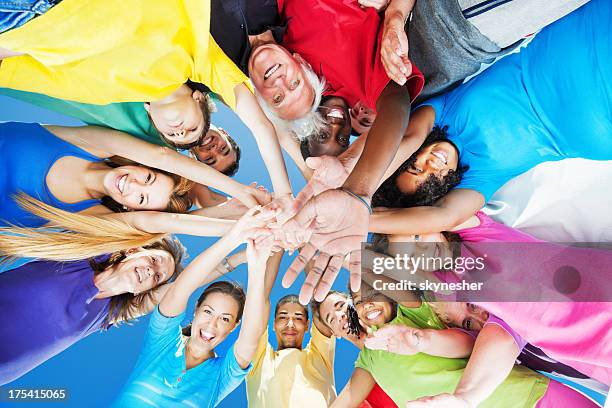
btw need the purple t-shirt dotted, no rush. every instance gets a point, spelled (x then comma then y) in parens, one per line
(45, 307)
(520, 342)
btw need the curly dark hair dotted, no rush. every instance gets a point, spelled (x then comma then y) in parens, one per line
(429, 191)
(233, 169)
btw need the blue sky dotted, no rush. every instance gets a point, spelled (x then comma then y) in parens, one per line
(95, 369)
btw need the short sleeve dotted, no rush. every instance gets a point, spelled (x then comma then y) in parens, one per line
(260, 353)
(520, 342)
(437, 103)
(364, 360)
(231, 375)
(322, 345)
(162, 331)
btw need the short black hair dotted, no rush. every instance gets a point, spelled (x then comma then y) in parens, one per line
(290, 299)
(233, 169)
(429, 191)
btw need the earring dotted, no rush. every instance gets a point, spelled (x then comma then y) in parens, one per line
(125, 208)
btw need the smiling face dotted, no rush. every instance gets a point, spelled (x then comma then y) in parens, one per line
(336, 136)
(279, 79)
(334, 313)
(375, 310)
(214, 320)
(362, 117)
(290, 325)
(215, 150)
(144, 269)
(180, 120)
(436, 159)
(461, 314)
(432, 246)
(138, 188)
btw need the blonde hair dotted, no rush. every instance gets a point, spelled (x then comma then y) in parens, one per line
(72, 236)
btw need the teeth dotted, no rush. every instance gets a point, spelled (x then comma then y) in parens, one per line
(271, 71)
(335, 114)
(207, 140)
(121, 183)
(440, 156)
(373, 315)
(207, 336)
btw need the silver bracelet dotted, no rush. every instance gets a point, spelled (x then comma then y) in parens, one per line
(226, 265)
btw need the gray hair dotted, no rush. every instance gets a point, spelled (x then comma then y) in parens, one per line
(312, 122)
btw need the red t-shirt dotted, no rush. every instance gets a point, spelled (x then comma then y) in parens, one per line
(342, 43)
(377, 398)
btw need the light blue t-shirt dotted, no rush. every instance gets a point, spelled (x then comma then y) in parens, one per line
(160, 378)
(550, 101)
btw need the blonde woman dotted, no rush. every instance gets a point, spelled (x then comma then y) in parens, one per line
(77, 169)
(90, 275)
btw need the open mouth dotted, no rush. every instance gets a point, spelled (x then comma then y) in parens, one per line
(120, 183)
(138, 275)
(441, 155)
(207, 140)
(372, 315)
(271, 70)
(206, 337)
(335, 113)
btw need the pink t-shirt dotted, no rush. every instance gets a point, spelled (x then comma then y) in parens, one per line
(491, 231)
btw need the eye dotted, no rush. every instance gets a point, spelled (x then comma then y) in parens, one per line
(417, 237)
(141, 202)
(471, 307)
(207, 311)
(294, 84)
(149, 178)
(226, 319)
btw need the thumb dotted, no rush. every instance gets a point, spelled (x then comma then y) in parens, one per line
(314, 162)
(402, 44)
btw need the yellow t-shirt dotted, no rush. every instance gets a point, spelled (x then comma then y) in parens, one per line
(293, 378)
(104, 51)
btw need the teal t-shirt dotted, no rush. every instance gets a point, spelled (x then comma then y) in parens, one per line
(160, 380)
(548, 102)
(128, 117)
(406, 378)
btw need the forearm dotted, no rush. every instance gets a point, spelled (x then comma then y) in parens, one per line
(449, 343)
(188, 224)
(256, 310)
(493, 357)
(382, 142)
(399, 9)
(292, 146)
(272, 271)
(220, 211)
(356, 390)
(413, 220)
(249, 111)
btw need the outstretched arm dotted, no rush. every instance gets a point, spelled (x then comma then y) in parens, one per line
(400, 339)
(394, 44)
(356, 390)
(249, 111)
(199, 271)
(451, 210)
(103, 142)
(257, 304)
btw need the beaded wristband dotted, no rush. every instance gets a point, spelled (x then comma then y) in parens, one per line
(360, 198)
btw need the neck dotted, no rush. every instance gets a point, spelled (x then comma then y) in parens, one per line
(109, 284)
(358, 341)
(178, 93)
(93, 179)
(264, 38)
(195, 356)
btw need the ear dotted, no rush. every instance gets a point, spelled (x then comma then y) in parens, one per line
(198, 96)
(301, 60)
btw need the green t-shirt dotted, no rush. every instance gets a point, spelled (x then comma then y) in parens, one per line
(128, 117)
(406, 378)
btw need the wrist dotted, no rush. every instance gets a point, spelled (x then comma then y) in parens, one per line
(365, 200)
(395, 17)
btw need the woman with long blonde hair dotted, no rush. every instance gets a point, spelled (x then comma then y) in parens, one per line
(91, 273)
(84, 169)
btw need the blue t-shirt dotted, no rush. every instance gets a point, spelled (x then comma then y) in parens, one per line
(550, 101)
(160, 379)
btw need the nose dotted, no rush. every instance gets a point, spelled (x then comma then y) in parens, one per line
(290, 323)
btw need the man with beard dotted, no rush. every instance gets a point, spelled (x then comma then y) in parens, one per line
(292, 376)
